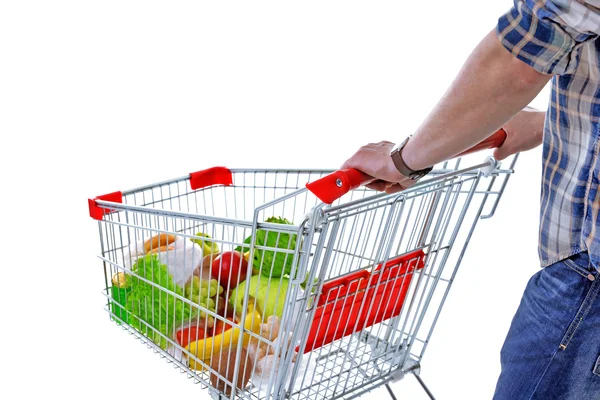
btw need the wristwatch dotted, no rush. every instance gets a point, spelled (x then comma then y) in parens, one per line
(396, 155)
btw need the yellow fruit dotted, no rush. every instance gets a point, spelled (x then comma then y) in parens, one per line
(203, 349)
(208, 246)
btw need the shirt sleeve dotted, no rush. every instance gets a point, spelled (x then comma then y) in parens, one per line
(547, 35)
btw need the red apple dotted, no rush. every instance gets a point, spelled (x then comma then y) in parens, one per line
(230, 269)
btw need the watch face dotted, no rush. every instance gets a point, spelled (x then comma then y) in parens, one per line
(397, 159)
(399, 146)
(403, 143)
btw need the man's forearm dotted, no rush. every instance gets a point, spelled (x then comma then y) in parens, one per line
(489, 90)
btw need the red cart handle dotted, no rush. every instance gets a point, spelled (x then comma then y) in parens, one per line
(338, 183)
(496, 140)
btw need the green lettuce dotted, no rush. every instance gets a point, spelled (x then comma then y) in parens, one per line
(273, 264)
(155, 306)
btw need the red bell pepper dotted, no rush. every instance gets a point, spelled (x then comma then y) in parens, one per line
(190, 334)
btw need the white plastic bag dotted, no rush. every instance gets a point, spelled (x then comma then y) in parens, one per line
(268, 365)
(181, 262)
(271, 365)
(131, 253)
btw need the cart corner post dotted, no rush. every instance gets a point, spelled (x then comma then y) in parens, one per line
(97, 212)
(211, 176)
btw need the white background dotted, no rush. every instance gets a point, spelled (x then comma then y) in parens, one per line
(104, 96)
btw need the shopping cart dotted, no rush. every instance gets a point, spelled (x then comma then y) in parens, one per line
(296, 284)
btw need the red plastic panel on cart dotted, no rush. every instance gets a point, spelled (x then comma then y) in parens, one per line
(209, 177)
(361, 299)
(97, 212)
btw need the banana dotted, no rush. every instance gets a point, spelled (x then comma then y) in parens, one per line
(204, 349)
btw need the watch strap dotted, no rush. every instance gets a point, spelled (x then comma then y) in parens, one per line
(401, 166)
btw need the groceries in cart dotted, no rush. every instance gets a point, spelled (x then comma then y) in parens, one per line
(187, 295)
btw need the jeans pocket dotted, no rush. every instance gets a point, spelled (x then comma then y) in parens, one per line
(597, 367)
(583, 271)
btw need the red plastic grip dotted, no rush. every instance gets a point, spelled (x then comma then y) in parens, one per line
(97, 212)
(211, 176)
(496, 140)
(338, 183)
(361, 299)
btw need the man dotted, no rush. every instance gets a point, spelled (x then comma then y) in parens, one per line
(552, 350)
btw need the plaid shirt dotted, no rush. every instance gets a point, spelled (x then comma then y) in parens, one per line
(560, 38)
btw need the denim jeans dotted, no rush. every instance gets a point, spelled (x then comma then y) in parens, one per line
(552, 350)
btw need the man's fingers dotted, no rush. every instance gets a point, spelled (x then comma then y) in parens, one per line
(500, 153)
(347, 164)
(378, 185)
(394, 188)
(398, 187)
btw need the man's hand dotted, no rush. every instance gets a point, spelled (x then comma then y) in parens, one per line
(524, 132)
(374, 159)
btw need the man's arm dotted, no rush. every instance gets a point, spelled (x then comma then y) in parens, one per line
(489, 90)
(524, 131)
(535, 40)
(532, 42)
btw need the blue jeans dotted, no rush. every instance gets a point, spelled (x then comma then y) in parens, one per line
(552, 350)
